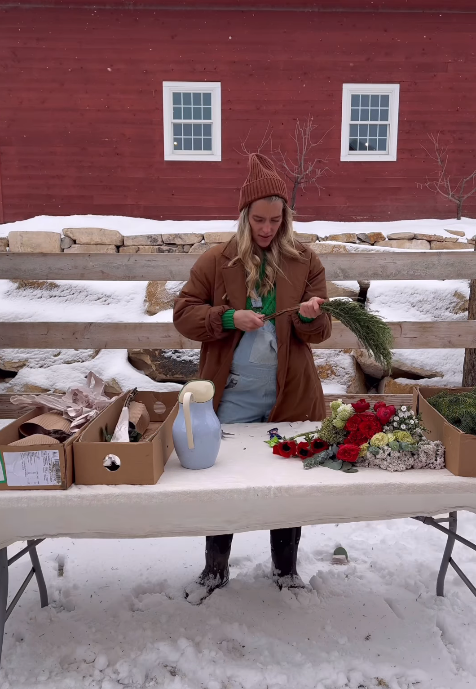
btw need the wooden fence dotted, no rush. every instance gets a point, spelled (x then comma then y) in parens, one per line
(412, 265)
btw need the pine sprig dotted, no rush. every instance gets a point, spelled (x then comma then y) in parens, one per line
(371, 331)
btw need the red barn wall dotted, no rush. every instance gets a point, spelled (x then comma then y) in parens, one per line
(81, 106)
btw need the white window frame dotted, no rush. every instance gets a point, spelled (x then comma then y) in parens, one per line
(208, 86)
(392, 90)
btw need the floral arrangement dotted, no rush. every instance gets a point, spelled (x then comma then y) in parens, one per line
(356, 435)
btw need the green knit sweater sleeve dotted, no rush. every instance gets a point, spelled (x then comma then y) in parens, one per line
(227, 320)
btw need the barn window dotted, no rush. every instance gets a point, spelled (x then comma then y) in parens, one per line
(369, 122)
(192, 120)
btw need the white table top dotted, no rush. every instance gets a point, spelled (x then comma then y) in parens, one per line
(249, 488)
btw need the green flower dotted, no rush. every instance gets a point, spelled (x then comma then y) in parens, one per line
(345, 412)
(335, 405)
(403, 436)
(391, 437)
(339, 423)
(363, 450)
(379, 440)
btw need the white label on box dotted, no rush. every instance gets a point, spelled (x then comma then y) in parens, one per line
(34, 468)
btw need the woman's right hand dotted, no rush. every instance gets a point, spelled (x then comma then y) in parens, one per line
(247, 320)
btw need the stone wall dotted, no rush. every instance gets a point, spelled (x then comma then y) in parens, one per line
(99, 240)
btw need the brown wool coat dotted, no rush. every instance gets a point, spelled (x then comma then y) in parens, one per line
(201, 304)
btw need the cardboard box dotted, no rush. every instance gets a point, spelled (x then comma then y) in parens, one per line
(141, 463)
(35, 467)
(460, 448)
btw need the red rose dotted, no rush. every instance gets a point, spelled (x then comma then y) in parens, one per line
(304, 451)
(319, 445)
(391, 408)
(379, 405)
(370, 428)
(353, 423)
(356, 438)
(286, 448)
(361, 405)
(384, 414)
(348, 453)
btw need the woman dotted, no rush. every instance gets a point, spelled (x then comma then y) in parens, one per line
(262, 371)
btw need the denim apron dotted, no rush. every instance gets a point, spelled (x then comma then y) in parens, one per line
(250, 392)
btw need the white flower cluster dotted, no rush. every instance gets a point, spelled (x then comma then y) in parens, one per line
(430, 455)
(405, 420)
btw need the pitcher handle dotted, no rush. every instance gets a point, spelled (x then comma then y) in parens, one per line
(187, 398)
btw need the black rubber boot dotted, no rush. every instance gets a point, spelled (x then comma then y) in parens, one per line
(284, 550)
(216, 572)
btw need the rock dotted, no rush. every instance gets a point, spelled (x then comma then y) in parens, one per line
(326, 248)
(179, 365)
(15, 360)
(158, 297)
(36, 284)
(169, 249)
(343, 289)
(304, 237)
(94, 235)
(186, 238)
(450, 246)
(139, 250)
(91, 249)
(3, 243)
(345, 237)
(215, 237)
(428, 237)
(26, 388)
(364, 237)
(34, 242)
(339, 368)
(389, 386)
(401, 235)
(186, 248)
(405, 244)
(457, 233)
(66, 242)
(200, 248)
(461, 303)
(368, 364)
(143, 240)
(376, 237)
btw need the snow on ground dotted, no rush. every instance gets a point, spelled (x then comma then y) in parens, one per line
(134, 226)
(118, 620)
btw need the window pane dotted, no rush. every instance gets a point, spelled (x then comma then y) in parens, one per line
(207, 129)
(176, 98)
(382, 130)
(177, 143)
(354, 130)
(364, 101)
(187, 113)
(187, 130)
(197, 144)
(206, 98)
(187, 98)
(207, 144)
(187, 144)
(197, 129)
(197, 113)
(177, 130)
(373, 130)
(374, 101)
(382, 145)
(362, 145)
(372, 145)
(364, 114)
(354, 100)
(383, 114)
(363, 130)
(177, 112)
(196, 98)
(374, 115)
(384, 101)
(207, 113)
(354, 115)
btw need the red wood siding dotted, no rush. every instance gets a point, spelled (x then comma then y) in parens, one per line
(78, 138)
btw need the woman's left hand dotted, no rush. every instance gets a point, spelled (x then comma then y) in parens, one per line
(311, 308)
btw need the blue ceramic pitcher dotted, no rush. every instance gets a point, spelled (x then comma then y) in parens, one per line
(197, 430)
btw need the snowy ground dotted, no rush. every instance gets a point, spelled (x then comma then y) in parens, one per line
(117, 617)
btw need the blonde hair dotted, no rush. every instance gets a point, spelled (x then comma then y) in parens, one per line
(252, 256)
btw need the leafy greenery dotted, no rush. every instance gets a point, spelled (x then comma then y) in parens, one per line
(331, 434)
(372, 332)
(458, 408)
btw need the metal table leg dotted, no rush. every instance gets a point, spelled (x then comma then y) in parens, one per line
(5, 563)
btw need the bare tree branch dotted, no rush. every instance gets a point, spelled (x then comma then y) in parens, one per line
(266, 137)
(443, 184)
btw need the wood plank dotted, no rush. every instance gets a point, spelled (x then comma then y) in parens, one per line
(11, 411)
(364, 265)
(408, 335)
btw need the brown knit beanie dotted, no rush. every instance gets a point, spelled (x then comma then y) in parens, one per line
(262, 181)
